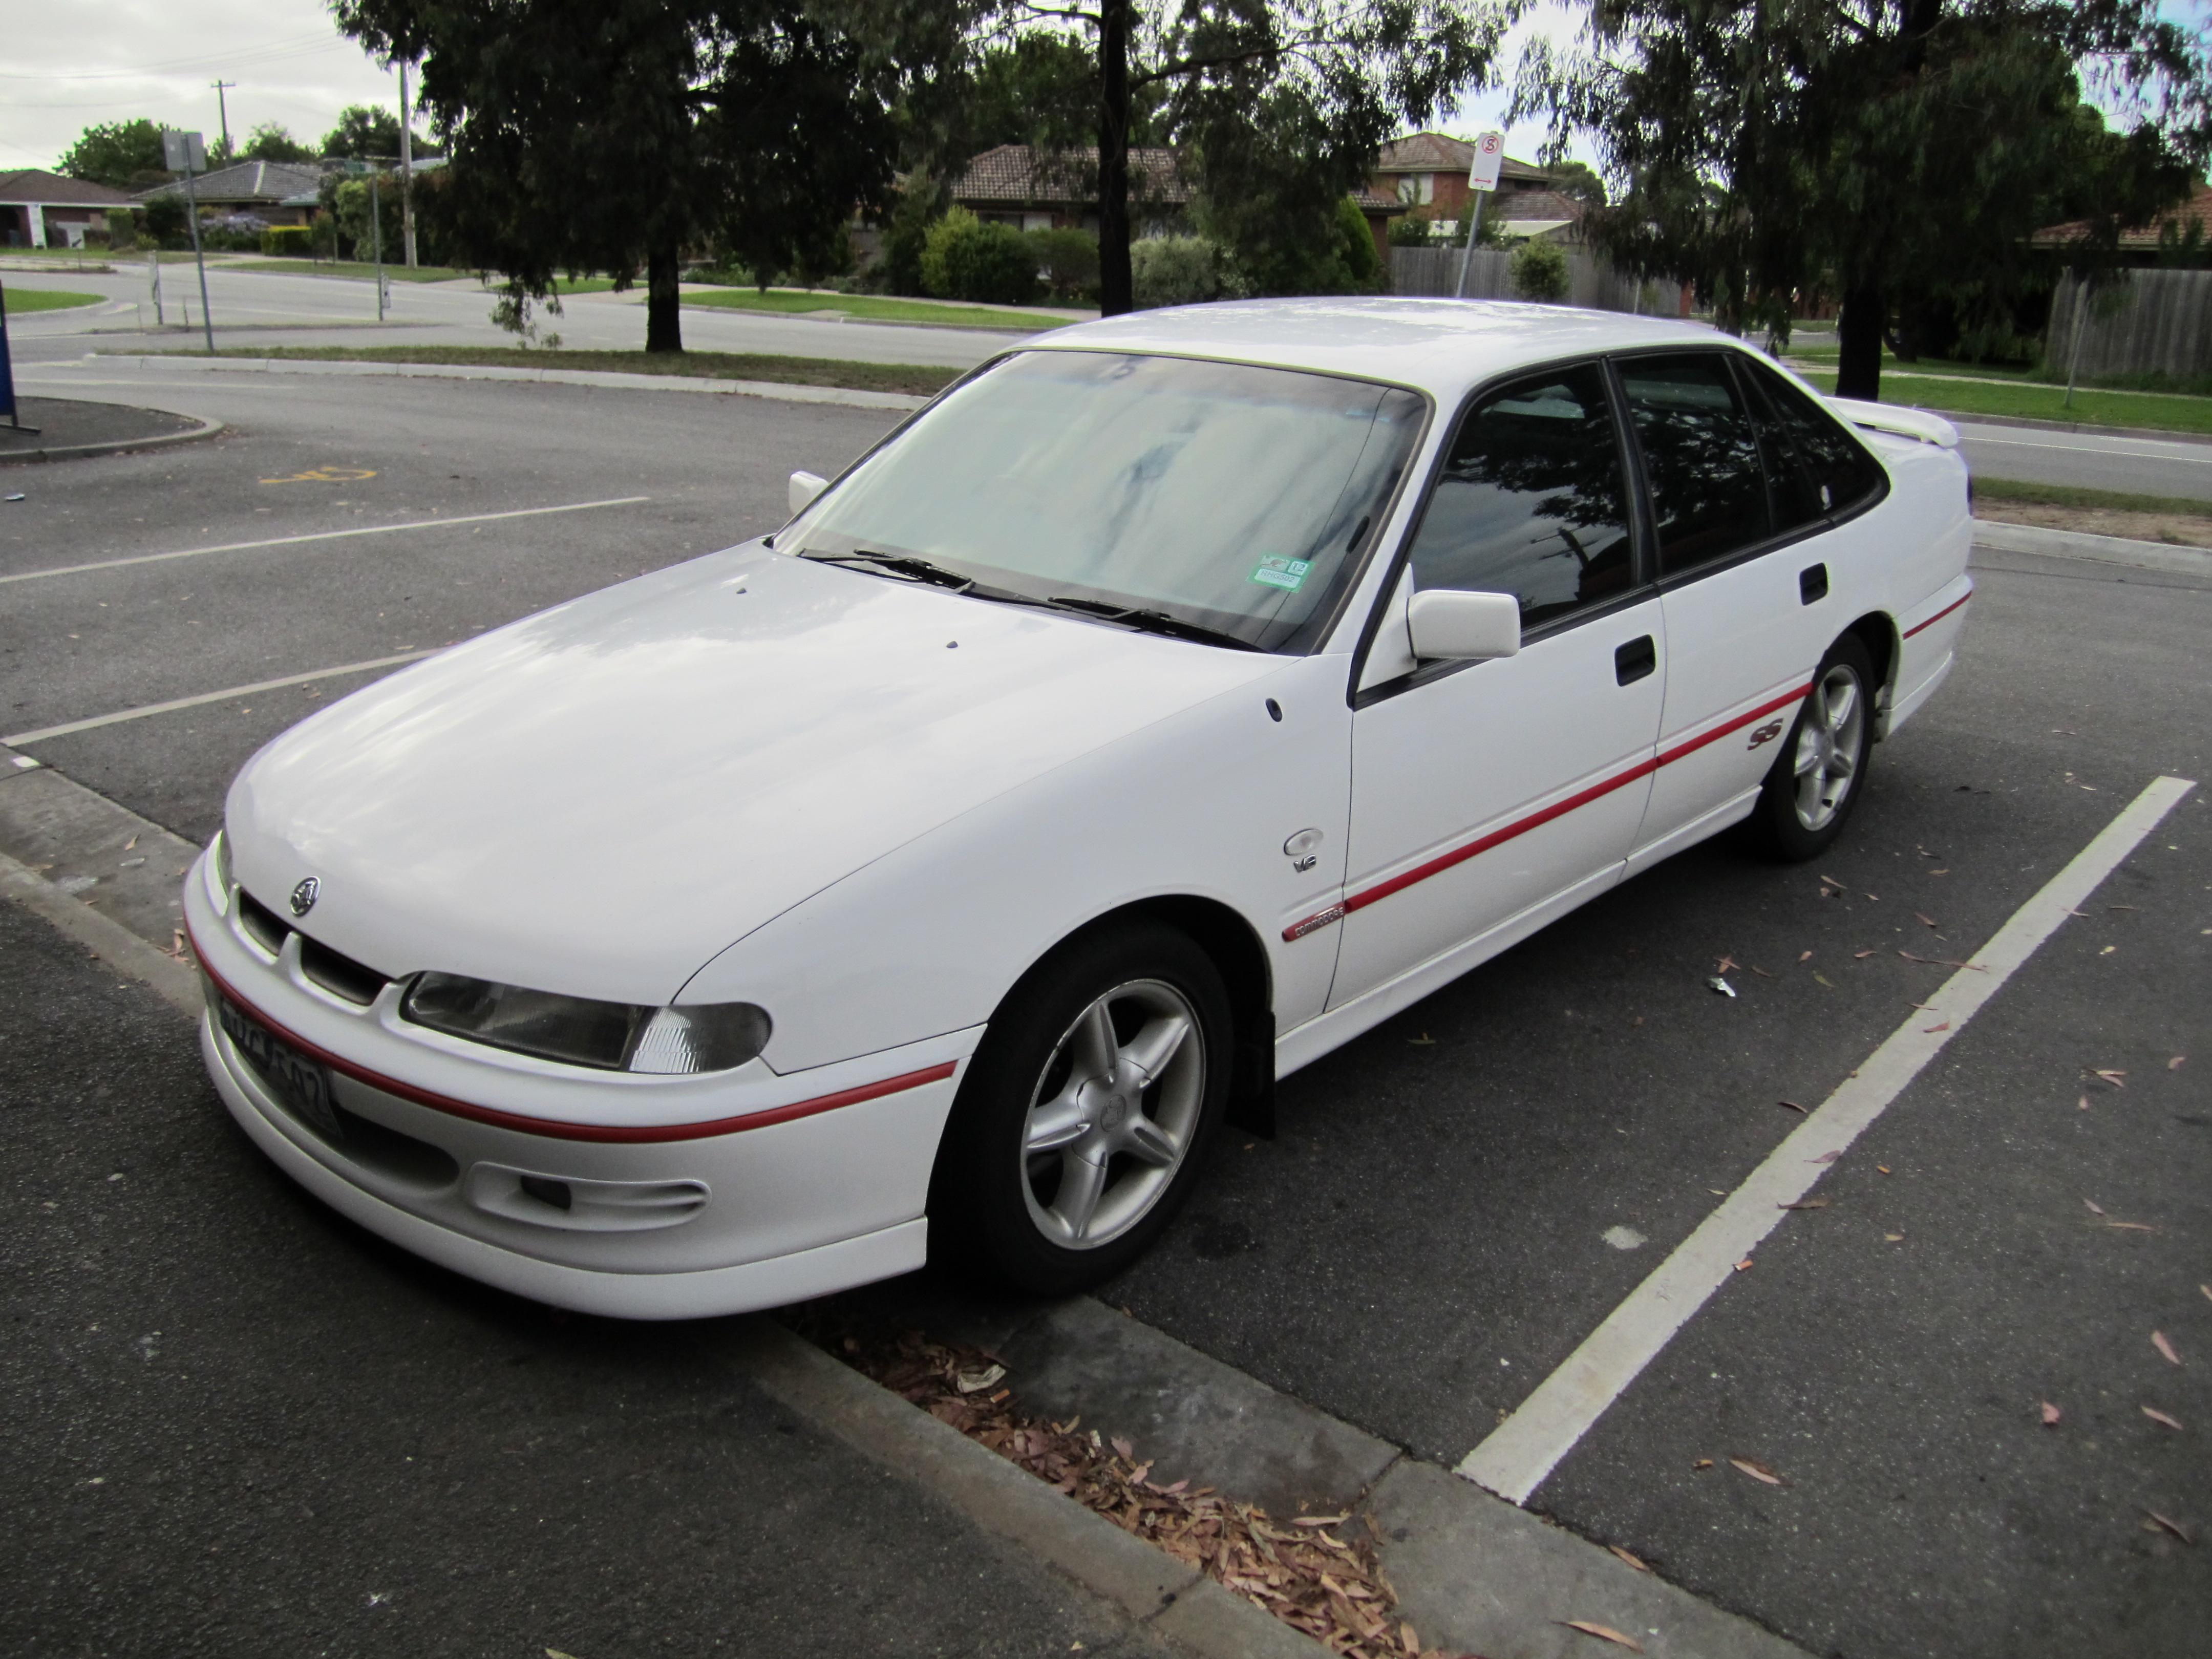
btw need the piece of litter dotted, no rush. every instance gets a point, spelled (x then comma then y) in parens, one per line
(976, 1382)
(2158, 1341)
(1424, 1041)
(2158, 1416)
(1744, 1266)
(1893, 1238)
(1716, 1192)
(1721, 985)
(2050, 1414)
(17, 496)
(1605, 1630)
(1884, 1168)
(1703, 1463)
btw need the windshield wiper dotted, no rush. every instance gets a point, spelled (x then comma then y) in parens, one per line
(1149, 622)
(902, 564)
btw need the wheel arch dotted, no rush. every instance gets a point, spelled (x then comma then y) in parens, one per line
(1877, 630)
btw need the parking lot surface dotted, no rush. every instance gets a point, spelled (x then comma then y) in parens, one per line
(1454, 1201)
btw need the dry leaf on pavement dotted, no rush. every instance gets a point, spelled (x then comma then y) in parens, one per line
(1605, 1630)
(1861, 955)
(1804, 956)
(2118, 1079)
(2207, 1289)
(1825, 1157)
(1758, 1471)
(1805, 1204)
(2174, 1065)
(2174, 1527)
(1931, 921)
(2050, 1414)
(2158, 1416)
(2158, 1341)
(2095, 1208)
(1632, 1561)
(1794, 1107)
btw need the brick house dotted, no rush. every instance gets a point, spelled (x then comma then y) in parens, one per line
(267, 190)
(1015, 184)
(1427, 173)
(39, 209)
(2140, 247)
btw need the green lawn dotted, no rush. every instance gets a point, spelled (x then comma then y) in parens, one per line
(918, 380)
(359, 269)
(2027, 494)
(45, 299)
(867, 308)
(2038, 402)
(1823, 356)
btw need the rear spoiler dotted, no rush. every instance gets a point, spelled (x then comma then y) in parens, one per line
(1915, 423)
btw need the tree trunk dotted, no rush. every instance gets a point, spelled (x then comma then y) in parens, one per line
(1858, 342)
(664, 325)
(1116, 292)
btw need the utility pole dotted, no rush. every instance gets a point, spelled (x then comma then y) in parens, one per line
(223, 113)
(406, 170)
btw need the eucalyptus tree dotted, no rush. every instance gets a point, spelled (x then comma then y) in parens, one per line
(1884, 151)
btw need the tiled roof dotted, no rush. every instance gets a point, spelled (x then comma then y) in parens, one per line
(1016, 173)
(248, 181)
(1544, 204)
(1436, 152)
(2198, 206)
(36, 185)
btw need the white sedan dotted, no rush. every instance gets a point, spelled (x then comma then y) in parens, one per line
(1172, 700)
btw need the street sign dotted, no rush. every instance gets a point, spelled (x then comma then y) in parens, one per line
(1489, 157)
(183, 152)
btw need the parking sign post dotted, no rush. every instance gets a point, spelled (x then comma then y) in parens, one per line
(183, 152)
(8, 375)
(1481, 178)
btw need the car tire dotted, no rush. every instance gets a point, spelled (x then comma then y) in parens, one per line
(1086, 1112)
(1821, 773)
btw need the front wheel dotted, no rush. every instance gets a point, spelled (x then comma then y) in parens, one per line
(1084, 1117)
(1817, 778)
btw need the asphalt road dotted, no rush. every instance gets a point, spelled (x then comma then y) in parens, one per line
(259, 307)
(2141, 466)
(236, 1425)
(1457, 1199)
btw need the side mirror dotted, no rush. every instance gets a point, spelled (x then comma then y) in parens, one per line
(804, 487)
(1450, 624)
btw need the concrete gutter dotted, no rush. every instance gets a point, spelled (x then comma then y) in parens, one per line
(852, 397)
(2000, 538)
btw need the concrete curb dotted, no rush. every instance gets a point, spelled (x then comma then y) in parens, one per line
(2000, 538)
(171, 981)
(852, 397)
(206, 428)
(1173, 1600)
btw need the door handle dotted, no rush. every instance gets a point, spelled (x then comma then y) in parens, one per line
(1813, 584)
(1634, 660)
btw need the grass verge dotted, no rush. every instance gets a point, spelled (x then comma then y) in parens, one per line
(867, 308)
(357, 270)
(46, 299)
(919, 380)
(2042, 402)
(2023, 493)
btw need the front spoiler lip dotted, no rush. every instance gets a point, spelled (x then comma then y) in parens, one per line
(624, 1133)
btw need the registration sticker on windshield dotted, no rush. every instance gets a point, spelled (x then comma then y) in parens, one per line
(1289, 573)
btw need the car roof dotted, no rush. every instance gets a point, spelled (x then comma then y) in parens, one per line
(1440, 346)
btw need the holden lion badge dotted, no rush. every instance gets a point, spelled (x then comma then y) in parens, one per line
(303, 896)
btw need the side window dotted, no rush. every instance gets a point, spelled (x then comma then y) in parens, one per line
(1708, 492)
(1792, 491)
(1839, 472)
(1531, 500)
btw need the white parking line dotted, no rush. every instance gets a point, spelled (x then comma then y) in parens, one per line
(97, 720)
(1523, 1450)
(321, 536)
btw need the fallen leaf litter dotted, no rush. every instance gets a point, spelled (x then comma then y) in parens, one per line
(1330, 1588)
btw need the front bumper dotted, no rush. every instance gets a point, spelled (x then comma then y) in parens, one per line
(758, 1209)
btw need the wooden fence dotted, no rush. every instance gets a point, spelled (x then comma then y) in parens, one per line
(2154, 322)
(1590, 282)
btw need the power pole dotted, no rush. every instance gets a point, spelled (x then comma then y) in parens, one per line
(406, 170)
(223, 113)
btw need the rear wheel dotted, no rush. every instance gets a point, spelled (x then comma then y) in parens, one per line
(1817, 778)
(1084, 1115)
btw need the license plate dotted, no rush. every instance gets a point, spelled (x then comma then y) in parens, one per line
(298, 1083)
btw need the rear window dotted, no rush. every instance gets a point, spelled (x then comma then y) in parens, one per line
(1837, 473)
(1700, 457)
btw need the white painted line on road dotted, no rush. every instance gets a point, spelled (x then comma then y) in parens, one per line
(99, 721)
(1523, 1450)
(321, 536)
(2175, 454)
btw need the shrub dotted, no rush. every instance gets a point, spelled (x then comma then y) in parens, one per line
(122, 230)
(165, 222)
(95, 236)
(289, 241)
(1361, 261)
(1540, 271)
(1069, 260)
(963, 259)
(1175, 270)
(1409, 230)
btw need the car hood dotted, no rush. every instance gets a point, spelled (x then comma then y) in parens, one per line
(597, 798)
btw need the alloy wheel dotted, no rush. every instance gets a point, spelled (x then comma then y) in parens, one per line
(1831, 743)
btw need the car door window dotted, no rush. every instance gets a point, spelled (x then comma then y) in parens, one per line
(1838, 472)
(1700, 458)
(1530, 501)
(1792, 492)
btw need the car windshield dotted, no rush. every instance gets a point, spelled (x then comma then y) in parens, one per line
(1215, 496)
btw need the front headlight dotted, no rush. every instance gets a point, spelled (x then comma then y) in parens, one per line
(613, 1036)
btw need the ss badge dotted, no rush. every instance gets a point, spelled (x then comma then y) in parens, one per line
(1767, 734)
